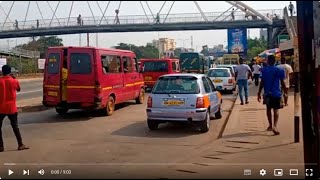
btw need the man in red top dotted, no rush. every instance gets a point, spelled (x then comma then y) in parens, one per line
(8, 87)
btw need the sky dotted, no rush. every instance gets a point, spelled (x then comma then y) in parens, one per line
(200, 38)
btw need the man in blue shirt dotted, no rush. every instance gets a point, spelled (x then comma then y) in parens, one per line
(272, 77)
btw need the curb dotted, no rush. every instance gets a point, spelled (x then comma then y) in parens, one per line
(32, 108)
(227, 118)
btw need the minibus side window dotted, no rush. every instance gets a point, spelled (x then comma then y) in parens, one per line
(136, 64)
(110, 64)
(80, 63)
(53, 63)
(127, 64)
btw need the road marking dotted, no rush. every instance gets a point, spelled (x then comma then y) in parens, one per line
(29, 91)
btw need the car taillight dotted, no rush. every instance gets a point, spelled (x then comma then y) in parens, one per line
(149, 102)
(200, 102)
(230, 81)
(98, 88)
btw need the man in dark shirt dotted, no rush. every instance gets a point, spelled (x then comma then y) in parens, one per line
(8, 87)
(271, 78)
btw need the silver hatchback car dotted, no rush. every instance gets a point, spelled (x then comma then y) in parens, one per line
(185, 98)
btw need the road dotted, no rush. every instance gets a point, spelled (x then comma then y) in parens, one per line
(30, 89)
(119, 146)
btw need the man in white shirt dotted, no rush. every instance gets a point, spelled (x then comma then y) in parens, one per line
(288, 75)
(241, 76)
(256, 73)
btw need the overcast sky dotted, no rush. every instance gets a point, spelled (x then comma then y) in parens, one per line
(210, 38)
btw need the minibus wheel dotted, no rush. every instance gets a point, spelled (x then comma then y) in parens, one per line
(110, 106)
(140, 98)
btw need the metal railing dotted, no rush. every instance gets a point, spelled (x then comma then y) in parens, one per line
(19, 51)
(289, 24)
(135, 20)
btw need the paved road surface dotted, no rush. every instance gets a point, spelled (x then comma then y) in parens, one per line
(30, 89)
(117, 146)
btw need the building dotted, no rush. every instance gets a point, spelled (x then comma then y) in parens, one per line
(263, 34)
(164, 44)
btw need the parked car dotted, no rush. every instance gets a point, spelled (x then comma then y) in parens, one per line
(189, 98)
(222, 79)
(91, 78)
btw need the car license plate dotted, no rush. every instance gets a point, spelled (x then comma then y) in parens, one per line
(173, 103)
(148, 78)
(52, 93)
(217, 81)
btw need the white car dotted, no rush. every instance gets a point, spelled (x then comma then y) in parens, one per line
(232, 67)
(222, 79)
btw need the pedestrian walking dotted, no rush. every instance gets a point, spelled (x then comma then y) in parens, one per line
(117, 21)
(8, 108)
(158, 18)
(247, 14)
(16, 25)
(288, 76)
(37, 23)
(242, 72)
(256, 73)
(232, 14)
(79, 20)
(291, 8)
(272, 77)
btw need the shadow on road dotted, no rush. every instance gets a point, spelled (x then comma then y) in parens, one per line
(166, 130)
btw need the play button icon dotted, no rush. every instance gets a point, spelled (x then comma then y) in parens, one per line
(10, 172)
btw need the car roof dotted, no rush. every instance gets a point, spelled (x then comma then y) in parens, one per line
(226, 65)
(220, 68)
(184, 74)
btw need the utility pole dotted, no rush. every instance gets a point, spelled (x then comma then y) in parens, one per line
(191, 42)
(307, 86)
(97, 39)
(88, 39)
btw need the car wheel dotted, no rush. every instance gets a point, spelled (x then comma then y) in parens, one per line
(205, 124)
(218, 113)
(62, 111)
(140, 98)
(109, 109)
(153, 125)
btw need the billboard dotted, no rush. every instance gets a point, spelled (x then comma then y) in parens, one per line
(3, 61)
(41, 63)
(237, 41)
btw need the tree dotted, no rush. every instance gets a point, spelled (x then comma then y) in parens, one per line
(41, 44)
(147, 51)
(255, 47)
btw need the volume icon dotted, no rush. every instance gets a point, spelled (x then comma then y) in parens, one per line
(41, 172)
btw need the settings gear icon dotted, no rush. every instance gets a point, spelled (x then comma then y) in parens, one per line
(263, 172)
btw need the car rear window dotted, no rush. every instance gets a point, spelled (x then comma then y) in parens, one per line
(53, 63)
(176, 85)
(218, 73)
(80, 63)
(159, 66)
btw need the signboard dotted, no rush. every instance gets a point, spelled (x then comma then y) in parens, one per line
(41, 63)
(3, 61)
(282, 38)
(237, 41)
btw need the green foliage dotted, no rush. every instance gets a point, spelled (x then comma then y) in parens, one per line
(255, 47)
(41, 44)
(147, 51)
